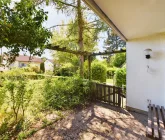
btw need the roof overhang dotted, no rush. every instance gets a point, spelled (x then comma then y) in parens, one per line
(131, 19)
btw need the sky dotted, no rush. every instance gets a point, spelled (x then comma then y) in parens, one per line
(55, 18)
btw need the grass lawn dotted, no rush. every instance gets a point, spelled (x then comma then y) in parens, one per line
(109, 81)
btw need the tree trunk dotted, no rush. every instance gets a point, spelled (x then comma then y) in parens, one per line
(80, 33)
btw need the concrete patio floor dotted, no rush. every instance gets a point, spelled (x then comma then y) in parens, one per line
(97, 122)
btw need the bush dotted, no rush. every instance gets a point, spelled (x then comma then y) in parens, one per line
(119, 59)
(48, 72)
(66, 70)
(17, 73)
(34, 68)
(111, 72)
(120, 77)
(42, 67)
(65, 93)
(17, 95)
(99, 71)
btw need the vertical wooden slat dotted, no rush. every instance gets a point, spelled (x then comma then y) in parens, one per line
(109, 91)
(101, 92)
(108, 94)
(163, 114)
(114, 95)
(161, 125)
(119, 97)
(104, 88)
(149, 127)
(156, 135)
(96, 91)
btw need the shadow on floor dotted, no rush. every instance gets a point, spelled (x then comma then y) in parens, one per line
(98, 121)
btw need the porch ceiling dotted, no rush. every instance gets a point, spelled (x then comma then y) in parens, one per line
(132, 18)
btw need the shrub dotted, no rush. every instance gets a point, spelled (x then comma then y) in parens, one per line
(17, 95)
(120, 77)
(119, 59)
(66, 70)
(65, 93)
(48, 72)
(99, 71)
(111, 72)
(17, 73)
(42, 67)
(34, 68)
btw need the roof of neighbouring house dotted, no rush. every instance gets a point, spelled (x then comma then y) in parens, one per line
(22, 58)
(131, 19)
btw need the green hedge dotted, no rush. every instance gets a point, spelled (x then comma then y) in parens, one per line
(120, 77)
(111, 72)
(65, 70)
(99, 71)
(65, 93)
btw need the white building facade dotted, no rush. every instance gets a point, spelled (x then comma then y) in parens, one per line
(141, 23)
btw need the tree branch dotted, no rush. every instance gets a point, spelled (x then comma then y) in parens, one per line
(58, 25)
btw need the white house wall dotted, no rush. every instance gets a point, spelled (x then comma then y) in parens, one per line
(143, 85)
(48, 66)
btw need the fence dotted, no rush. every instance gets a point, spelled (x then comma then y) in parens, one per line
(109, 94)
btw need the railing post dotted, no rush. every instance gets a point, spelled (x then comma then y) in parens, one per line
(114, 90)
(119, 96)
(89, 67)
(104, 93)
(109, 91)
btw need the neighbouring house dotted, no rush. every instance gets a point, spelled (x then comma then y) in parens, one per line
(22, 61)
(3, 67)
(141, 23)
(49, 65)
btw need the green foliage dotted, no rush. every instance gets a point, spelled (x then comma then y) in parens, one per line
(111, 72)
(17, 95)
(66, 70)
(34, 68)
(120, 77)
(99, 71)
(114, 42)
(42, 67)
(17, 73)
(119, 59)
(65, 93)
(21, 28)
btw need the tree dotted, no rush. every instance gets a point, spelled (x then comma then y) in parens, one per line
(80, 11)
(113, 41)
(42, 67)
(118, 59)
(21, 28)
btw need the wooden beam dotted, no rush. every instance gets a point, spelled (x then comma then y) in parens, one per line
(108, 53)
(92, 4)
(64, 49)
(85, 53)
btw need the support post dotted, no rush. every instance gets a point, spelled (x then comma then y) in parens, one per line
(89, 67)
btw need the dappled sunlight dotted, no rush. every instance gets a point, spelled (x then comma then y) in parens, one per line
(97, 122)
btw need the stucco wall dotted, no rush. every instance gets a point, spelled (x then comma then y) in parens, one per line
(143, 85)
(18, 64)
(48, 66)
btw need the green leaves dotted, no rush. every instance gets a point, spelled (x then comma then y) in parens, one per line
(21, 28)
(99, 71)
(119, 59)
(120, 77)
(65, 93)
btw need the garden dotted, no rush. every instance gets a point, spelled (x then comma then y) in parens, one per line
(32, 99)
(27, 98)
(25, 101)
